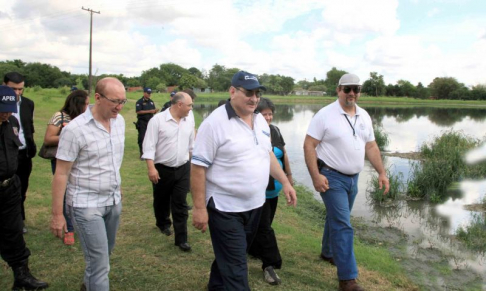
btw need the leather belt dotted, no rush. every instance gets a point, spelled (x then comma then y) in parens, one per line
(322, 164)
(6, 182)
(334, 170)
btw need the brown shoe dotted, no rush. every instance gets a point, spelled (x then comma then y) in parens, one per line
(349, 285)
(329, 260)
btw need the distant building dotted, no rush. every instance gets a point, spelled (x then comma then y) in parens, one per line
(303, 92)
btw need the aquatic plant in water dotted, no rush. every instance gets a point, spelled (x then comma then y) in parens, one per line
(443, 164)
(396, 186)
(381, 137)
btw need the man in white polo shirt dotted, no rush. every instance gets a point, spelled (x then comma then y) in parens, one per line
(166, 149)
(89, 157)
(231, 162)
(338, 138)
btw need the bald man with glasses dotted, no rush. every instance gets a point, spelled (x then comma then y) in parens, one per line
(89, 157)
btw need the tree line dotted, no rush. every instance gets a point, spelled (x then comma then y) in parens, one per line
(218, 79)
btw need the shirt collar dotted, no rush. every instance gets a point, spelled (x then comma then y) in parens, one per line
(88, 115)
(341, 110)
(169, 116)
(230, 110)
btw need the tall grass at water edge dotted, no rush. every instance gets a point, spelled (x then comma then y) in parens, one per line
(442, 164)
(375, 194)
(381, 137)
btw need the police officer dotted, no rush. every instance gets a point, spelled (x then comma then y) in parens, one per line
(12, 244)
(168, 103)
(145, 109)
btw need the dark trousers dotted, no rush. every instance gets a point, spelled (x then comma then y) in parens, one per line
(12, 244)
(170, 196)
(142, 128)
(231, 234)
(23, 171)
(264, 245)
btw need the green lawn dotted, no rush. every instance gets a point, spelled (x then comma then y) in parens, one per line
(144, 259)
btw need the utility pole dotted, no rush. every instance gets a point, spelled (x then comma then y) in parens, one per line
(90, 45)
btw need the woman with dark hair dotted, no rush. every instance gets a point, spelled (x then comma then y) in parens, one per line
(264, 245)
(75, 104)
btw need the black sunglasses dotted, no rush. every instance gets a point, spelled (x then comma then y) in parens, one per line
(347, 89)
(250, 93)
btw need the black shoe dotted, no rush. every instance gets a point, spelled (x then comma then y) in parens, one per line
(189, 207)
(166, 231)
(329, 260)
(24, 279)
(184, 247)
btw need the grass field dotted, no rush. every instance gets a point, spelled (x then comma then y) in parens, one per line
(144, 259)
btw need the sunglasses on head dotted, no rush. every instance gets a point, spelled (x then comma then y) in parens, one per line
(347, 89)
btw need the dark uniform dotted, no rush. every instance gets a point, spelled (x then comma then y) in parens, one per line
(143, 119)
(12, 245)
(166, 105)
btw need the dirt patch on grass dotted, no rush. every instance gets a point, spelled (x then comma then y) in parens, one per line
(427, 267)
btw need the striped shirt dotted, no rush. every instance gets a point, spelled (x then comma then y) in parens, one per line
(96, 154)
(57, 118)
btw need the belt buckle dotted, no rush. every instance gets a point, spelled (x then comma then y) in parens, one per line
(6, 182)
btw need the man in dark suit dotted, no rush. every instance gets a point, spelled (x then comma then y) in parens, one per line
(25, 116)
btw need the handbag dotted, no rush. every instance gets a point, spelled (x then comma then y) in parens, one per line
(49, 152)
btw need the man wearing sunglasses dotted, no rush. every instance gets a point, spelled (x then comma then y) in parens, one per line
(338, 138)
(89, 157)
(231, 163)
(145, 109)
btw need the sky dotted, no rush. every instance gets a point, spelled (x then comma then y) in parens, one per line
(413, 40)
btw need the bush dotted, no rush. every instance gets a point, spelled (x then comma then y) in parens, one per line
(381, 138)
(443, 164)
(396, 187)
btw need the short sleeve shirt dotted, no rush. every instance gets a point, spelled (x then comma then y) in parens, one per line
(143, 104)
(237, 159)
(96, 154)
(340, 147)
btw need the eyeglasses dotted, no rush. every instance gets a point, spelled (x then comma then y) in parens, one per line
(250, 93)
(114, 101)
(148, 93)
(356, 89)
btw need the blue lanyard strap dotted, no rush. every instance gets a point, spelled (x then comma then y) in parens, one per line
(352, 127)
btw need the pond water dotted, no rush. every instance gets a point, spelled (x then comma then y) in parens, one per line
(408, 128)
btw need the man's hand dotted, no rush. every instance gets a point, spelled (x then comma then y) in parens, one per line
(200, 219)
(290, 195)
(58, 225)
(321, 184)
(153, 175)
(383, 180)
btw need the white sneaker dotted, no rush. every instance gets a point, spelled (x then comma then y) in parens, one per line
(270, 276)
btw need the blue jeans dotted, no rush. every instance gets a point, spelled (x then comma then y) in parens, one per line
(96, 229)
(337, 240)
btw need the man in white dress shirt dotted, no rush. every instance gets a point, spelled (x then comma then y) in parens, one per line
(167, 148)
(89, 157)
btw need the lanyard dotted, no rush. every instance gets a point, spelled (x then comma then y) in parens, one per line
(352, 127)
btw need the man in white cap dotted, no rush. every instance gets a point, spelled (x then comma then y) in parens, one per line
(338, 138)
(12, 245)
